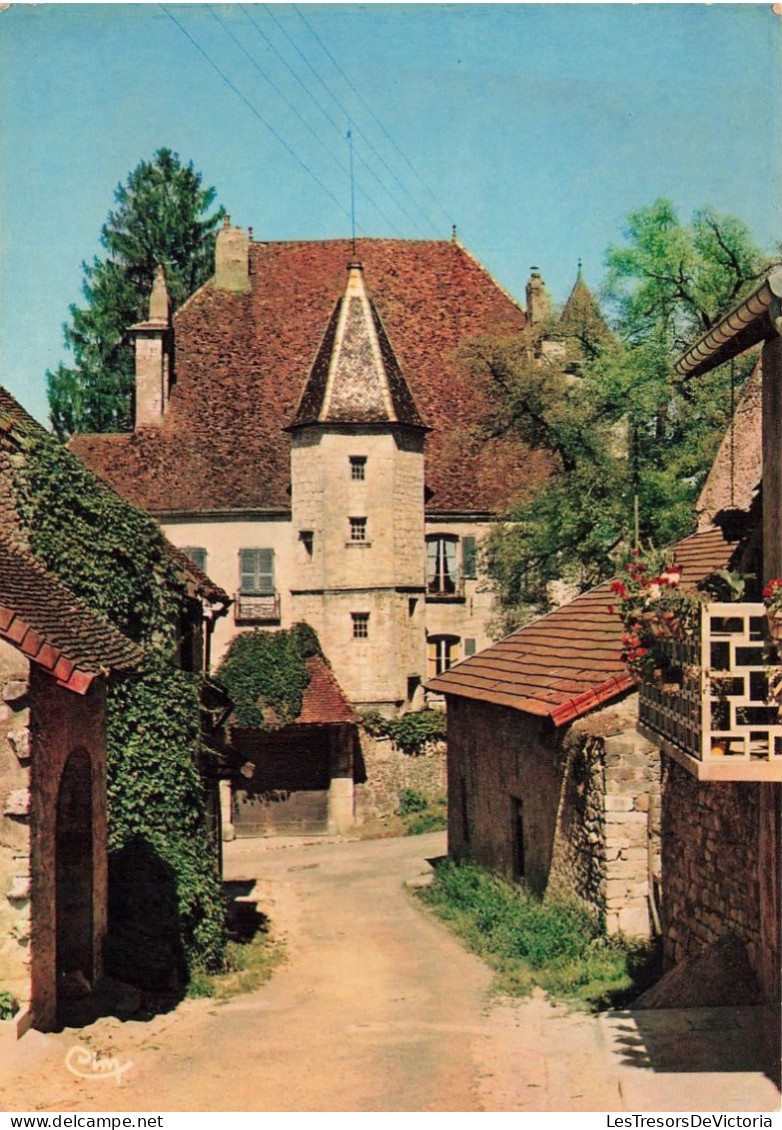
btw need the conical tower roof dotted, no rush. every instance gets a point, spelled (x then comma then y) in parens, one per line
(581, 312)
(356, 378)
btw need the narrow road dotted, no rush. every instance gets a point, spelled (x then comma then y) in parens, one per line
(378, 1008)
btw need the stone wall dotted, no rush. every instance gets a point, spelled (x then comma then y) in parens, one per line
(41, 726)
(388, 771)
(14, 825)
(715, 862)
(566, 810)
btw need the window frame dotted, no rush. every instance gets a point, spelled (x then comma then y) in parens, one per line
(360, 625)
(358, 530)
(358, 468)
(256, 571)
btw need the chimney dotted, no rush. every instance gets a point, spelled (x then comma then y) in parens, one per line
(152, 357)
(232, 259)
(538, 301)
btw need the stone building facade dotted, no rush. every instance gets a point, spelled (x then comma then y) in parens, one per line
(319, 442)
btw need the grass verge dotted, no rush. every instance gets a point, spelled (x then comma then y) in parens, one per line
(555, 945)
(421, 814)
(251, 960)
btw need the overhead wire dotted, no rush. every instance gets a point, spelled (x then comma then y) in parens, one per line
(374, 116)
(298, 115)
(352, 125)
(254, 110)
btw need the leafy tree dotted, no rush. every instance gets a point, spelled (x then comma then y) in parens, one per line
(631, 440)
(676, 280)
(162, 217)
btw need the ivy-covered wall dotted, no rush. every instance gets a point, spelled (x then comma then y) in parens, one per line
(166, 916)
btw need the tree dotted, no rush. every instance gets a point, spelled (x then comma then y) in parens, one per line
(677, 280)
(631, 441)
(162, 217)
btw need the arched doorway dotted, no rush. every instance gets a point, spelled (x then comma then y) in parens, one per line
(74, 869)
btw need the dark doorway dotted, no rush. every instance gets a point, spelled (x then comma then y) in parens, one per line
(74, 867)
(517, 837)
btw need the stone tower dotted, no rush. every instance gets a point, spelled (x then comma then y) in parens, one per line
(357, 481)
(153, 352)
(538, 299)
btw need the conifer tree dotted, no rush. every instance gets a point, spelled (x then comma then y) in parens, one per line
(162, 216)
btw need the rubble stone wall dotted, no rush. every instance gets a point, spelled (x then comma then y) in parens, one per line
(711, 860)
(388, 771)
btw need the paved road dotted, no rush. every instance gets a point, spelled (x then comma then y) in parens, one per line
(379, 1009)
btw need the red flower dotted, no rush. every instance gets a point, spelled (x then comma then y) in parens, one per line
(611, 609)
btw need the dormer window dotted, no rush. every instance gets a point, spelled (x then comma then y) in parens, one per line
(358, 468)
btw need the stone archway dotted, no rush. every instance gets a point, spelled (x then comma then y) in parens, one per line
(74, 877)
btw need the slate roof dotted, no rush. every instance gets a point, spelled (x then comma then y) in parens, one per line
(51, 627)
(568, 662)
(323, 702)
(242, 360)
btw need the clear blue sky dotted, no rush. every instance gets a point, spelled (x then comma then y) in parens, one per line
(534, 128)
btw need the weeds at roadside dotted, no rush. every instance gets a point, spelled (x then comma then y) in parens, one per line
(421, 814)
(252, 956)
(554, 945)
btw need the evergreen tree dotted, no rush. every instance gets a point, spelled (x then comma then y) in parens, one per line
(161, 217)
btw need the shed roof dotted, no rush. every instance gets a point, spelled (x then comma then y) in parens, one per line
(323, 702)
(41, 617)
(242, 361)
(569, 661)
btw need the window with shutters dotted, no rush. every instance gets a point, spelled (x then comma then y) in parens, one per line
(443, 579)
(197, 555)
(257, 600)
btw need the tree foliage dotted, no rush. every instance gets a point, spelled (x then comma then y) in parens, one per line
(632, 441)
(162, 216)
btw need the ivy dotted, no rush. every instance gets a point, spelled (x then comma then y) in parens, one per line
(266, 675)
(166, 917)
(412, 733)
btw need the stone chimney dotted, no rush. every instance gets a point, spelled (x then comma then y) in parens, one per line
(153, 357)
(232, 259)
(538, 300)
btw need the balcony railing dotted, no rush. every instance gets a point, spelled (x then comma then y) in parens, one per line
(711, 702)
(445, 588)
(257, 607)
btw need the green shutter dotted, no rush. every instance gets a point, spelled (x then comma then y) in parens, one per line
(468, 558)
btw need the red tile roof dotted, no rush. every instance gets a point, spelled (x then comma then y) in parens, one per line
(569, 661)
(51, 627)
(242, 360)
(323, 702)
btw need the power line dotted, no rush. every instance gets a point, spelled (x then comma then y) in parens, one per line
(293, 108)
(256, 112)
(343, 110)
(373, 115)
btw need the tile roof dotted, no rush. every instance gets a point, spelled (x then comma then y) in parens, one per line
(569, 661)
(242, 360)
(51, 627)
(323, 702)
(198, 583)
(356, 377)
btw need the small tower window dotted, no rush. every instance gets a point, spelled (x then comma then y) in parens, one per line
(360, 625)
(306, 538)
(358, 468)
(358, 529)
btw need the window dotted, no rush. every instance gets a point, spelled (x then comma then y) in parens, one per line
(469, 648)
(442, 653)
(442, 578)
(360, 625)
(358, 529)
(197, 555)
(358, 468)
(306, 538)
(256, 571)
(468, 558)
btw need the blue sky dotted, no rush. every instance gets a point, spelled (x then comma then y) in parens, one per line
(535, 129)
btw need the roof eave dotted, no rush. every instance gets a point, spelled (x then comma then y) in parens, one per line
(755, 319)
